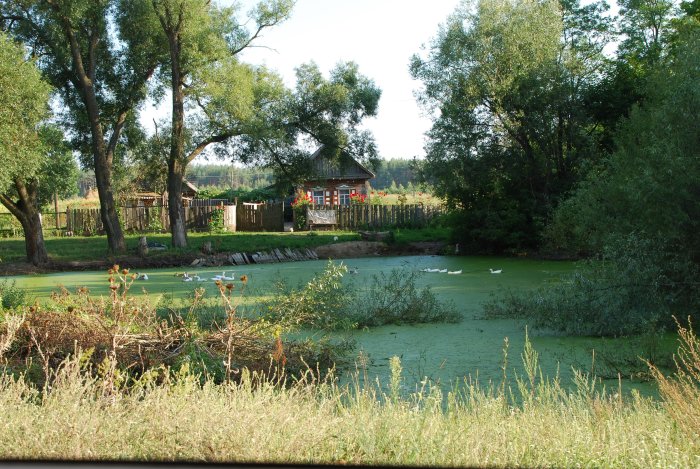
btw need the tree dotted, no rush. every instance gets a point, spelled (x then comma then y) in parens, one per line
(507, 82)
(202, 39)
(23, 105)
(325, 112)
(59, 170)
(245, 112)
(98, 55)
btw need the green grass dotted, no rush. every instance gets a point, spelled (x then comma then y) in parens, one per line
(77, 248)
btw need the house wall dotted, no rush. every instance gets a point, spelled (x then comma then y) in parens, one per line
(331, 189)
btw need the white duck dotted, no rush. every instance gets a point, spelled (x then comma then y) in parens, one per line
(141, 276)
(186, 277)
(455, 272)
(496, 271)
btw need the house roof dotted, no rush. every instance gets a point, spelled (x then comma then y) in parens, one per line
(191, 186)
(324, 168)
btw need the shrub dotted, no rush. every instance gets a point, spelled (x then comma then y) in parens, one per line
(395, 299)
(636, 288)
(216, 221)
(326, 302)
(11, 296)
(299, 206)
(320, 304)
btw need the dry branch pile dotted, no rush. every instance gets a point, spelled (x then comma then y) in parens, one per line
(129, 333)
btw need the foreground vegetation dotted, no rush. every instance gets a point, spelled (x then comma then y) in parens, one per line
(114, 378)
(171, 415)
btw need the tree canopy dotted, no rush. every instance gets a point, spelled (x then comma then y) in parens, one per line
(507, 81)
(23, 105)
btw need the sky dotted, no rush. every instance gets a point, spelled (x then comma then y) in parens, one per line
(380, 36)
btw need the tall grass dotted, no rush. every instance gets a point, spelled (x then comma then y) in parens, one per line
(177, 418)
(681, 393)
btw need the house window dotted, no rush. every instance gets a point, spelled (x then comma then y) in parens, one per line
(344, 196)
(318, 198)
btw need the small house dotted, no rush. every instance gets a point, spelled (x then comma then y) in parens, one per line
(150, 199)
(333, 183)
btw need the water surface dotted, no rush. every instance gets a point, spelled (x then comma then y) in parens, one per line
(444, 353)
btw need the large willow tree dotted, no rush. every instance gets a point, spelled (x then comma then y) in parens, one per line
(23, 105)
(507, 80)
(98, 55)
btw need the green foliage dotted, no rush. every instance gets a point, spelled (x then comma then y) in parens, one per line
(216, 221)
(23, 105)
(59, 171)
(639, 210)
(11, 296)
(320, 304)
(395, 299)
(300, 206)
(326, 302)
(218, 177)
(636, 288)
(509, 80)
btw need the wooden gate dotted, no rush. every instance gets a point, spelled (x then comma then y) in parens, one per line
(260, 217)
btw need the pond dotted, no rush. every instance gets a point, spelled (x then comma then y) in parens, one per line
(444, 353)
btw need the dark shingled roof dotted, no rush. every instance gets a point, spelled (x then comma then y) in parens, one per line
(324, 168)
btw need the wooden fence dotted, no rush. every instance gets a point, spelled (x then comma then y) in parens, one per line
(52, 222)
(352, 217)
(139, 219)
(263, 217)
(260, 217)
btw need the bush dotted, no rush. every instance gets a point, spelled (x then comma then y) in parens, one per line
(326, 302)
(216, 221)
(11, 296)
(636, 288)
(320, 304)
(299, 206)
(395, 299)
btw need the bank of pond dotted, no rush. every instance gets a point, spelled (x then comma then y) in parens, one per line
(445, 353)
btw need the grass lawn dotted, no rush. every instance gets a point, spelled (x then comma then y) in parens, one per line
(79, 248)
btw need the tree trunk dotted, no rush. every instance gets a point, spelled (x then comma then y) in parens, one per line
(108, 210)
(102, 153)
(176, 161)
(27, 212)
(34, 239)
(176, 210)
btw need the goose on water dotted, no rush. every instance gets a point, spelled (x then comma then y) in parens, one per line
(496, 271)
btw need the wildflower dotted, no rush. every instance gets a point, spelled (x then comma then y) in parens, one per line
(125, 271)
(70, 309)
(244, 278)
(113, 287)
(229, 286)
